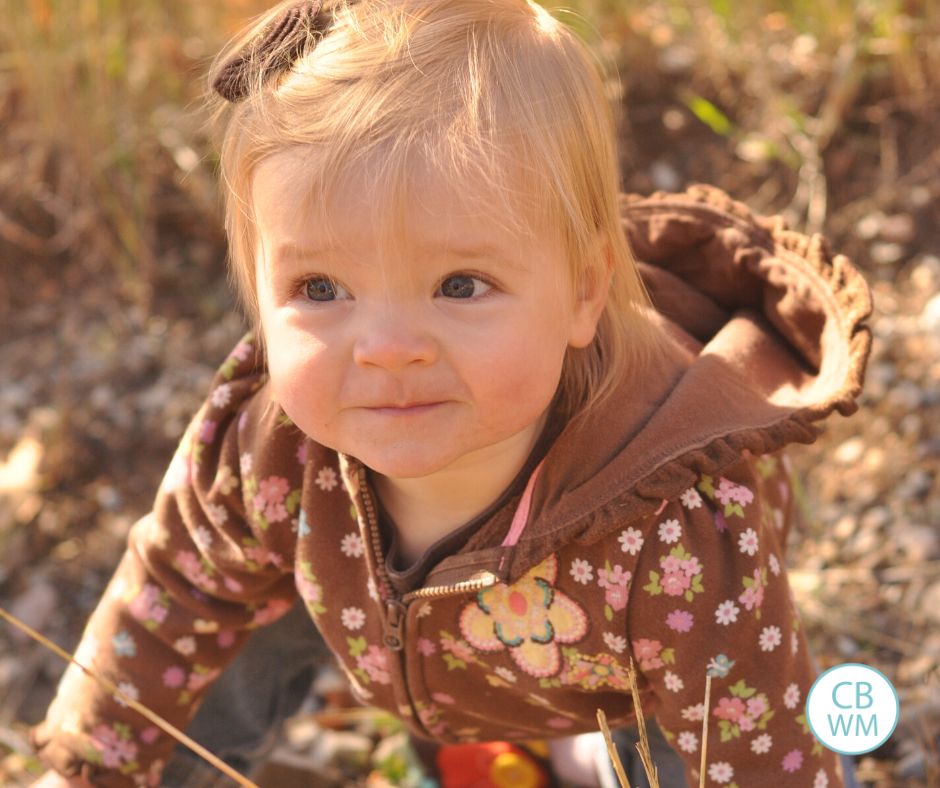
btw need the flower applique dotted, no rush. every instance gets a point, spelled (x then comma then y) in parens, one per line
(309, 588)
(753, 595)
(150, 606)
(593, 672)
(733, 497)
(615, 582)
(529, 618)
(271, 500)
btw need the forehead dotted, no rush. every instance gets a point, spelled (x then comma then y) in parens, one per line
(369, 204)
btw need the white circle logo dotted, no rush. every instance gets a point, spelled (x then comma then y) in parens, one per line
(852, 708)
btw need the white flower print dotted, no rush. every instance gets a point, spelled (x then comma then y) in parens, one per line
(424, 610)
(761, 744)
(582, 571)
(691, 499)
(669, 531)
(672, 681)
(688, 741)
(129, 690)
(244, 463)
(505, 673)
(821, 780)
(770, 638)
(373, 589)
(631, 540)
(352, 617)
(217, 513)
(721, 772)
(774, 563)
(616, 643)
(222, 395)
(727, 612)
(747, 542)
(694, 713)
(791, 696)
(326, 478)
(352, 546)
(202, 536)
(185, 646)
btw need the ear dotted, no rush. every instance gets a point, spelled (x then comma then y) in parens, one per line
(591, 297)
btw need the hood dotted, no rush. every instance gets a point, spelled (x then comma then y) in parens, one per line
(767, 338)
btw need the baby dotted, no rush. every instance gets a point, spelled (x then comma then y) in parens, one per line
(496, 457)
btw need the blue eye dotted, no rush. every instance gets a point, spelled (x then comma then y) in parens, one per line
(463, 286)
(322, 288)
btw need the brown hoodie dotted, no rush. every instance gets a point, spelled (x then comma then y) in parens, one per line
(652, 529)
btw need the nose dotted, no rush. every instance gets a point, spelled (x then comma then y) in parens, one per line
(391, 339)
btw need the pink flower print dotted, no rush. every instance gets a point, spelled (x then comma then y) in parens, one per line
(426, 647)
(731, 709)
(721, 524)
(631, 540)
(173, 677)
(606, 578)
(648, 653)
(688, 741)
(530, 618)
(241, 351)
(762, 744)
(352, 546)
(148, 606)
(115, 749)
(458, 648)
(222, 395)
(671, 564)
(757, 705)
(375, 663)
(269, 502)
(821, 780)
(559, 723)
(721, 772)
(327, 478)
(730, 493)
(753, 595)
(272, 611)
(727, 612)
(791, 697)
(675, 583)
(616, 597)
(770, 638)
(792, 761)
(303, 452)
(746, 723)
(616, 643)
(200, 677)
(691, 499)
(691, 566)
(680, 620)
(207, 430)
(225, 638)
(748, 542)
(581, 571)
(233, 585)
(669, 531)
(694, 713)
(262, 556)
(191, 567)
(442, 697)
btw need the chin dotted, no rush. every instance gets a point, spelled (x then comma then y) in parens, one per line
(402, 463)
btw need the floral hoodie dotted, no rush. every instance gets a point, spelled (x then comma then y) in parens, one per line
(653, 530)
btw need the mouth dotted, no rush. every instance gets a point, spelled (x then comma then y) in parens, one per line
(404, 409)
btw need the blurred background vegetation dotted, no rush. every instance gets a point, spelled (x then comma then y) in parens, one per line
(114, 306)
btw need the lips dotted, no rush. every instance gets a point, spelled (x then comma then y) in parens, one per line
(408, 408)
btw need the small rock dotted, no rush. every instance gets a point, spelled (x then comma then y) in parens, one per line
(918, 542)
(869, 226)
(905, 395)
(886, 253)
(849, 452)
(898, 228)
(665, 176)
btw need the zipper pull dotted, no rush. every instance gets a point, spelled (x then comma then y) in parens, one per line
(395, 611)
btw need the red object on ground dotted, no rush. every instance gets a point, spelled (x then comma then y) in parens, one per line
(489, 765)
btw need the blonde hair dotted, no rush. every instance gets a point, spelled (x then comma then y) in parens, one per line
(493, 93)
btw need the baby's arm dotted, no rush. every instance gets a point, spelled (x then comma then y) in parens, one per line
(208, 564)
(711, 594)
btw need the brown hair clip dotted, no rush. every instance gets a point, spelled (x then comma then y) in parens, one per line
(273, 51)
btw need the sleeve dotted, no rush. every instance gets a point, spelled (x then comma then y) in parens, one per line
(710, 597)
(207, 565)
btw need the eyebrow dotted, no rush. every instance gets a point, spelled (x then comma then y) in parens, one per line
(289, 252)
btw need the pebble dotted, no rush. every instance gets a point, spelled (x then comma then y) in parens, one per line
(886, 253)
(917, 542)
(665, 176)
(868, 227)
(905, 395)
(849, 452)
(898, 228)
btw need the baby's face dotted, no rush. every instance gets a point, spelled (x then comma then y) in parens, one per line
(417, 359)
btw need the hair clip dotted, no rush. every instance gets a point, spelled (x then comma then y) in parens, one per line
(234, 80)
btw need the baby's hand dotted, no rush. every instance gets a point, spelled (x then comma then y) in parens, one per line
(56, 780)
